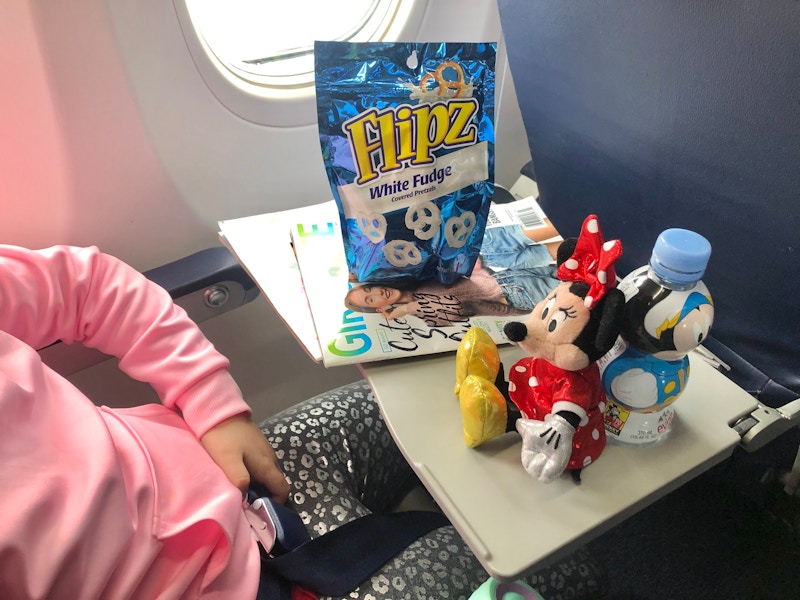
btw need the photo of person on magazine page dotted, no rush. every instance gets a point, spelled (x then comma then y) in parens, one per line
(513, 273)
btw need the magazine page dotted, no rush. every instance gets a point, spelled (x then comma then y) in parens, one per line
(358, 323)
(263, 246)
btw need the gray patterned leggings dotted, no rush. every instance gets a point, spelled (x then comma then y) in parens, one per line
(342, 463)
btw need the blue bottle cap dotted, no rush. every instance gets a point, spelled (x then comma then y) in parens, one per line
(680, 256)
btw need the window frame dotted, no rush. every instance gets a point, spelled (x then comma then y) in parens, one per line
(280, 100)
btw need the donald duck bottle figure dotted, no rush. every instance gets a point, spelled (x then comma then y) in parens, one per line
(668, 312)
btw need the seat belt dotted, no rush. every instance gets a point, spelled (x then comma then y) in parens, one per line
(335, 563)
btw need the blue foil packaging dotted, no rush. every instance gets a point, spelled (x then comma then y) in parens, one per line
(407, 137)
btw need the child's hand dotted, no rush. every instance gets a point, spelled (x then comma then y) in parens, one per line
(242, 452)
(396, 312)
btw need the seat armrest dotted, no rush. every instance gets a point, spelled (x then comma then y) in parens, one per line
(205, 284)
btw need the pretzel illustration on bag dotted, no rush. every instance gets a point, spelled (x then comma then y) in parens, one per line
(447, 88)
(402, 253)
(424, 220)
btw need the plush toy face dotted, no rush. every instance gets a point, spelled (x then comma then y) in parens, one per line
(553, 326)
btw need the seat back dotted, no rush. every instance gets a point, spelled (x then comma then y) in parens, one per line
(665, 113)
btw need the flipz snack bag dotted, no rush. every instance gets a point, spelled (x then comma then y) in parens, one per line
(407, 136)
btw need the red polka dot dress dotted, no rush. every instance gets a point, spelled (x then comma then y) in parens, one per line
(538, 388)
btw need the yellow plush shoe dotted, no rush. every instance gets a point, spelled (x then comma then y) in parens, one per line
(476, 355)
(484, 412)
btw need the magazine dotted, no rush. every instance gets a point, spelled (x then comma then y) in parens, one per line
(357, 323)
(263, 246)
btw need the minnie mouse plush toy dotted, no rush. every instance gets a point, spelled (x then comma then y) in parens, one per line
(553, 397)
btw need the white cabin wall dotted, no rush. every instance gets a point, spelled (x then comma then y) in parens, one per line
(33, 170)
(105, 183)
(111, 137)
(226, 166)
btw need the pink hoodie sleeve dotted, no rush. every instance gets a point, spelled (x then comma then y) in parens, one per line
(81, 295)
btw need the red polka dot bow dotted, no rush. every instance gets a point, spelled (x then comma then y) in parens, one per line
(592, 262)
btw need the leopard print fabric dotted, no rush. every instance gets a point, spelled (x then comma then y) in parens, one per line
(342, 463)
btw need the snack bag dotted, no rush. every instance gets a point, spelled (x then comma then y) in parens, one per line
(407, 136)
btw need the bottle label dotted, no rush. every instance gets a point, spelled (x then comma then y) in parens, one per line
(630, 285)
(616, 350)
(631, 427)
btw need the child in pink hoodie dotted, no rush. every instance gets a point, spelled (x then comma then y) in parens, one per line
(147, 502)
(125, 503)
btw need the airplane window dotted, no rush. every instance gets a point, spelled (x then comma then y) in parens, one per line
(269, 43)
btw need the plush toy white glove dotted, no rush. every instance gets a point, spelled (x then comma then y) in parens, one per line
(546, 446)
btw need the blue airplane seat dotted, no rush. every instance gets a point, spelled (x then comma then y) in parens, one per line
(661, 113)
(664, 113)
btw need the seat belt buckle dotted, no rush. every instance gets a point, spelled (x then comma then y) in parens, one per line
(261, 522)
(277, 528)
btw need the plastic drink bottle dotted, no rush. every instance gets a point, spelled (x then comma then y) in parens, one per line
(668, 312)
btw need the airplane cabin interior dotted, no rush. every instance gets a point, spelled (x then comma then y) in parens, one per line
(138, 128)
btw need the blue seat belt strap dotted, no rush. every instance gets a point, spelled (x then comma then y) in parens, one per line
(335, 563)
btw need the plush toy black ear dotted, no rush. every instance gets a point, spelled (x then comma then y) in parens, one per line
(610, 320)
(565, 250)
(605, 322)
